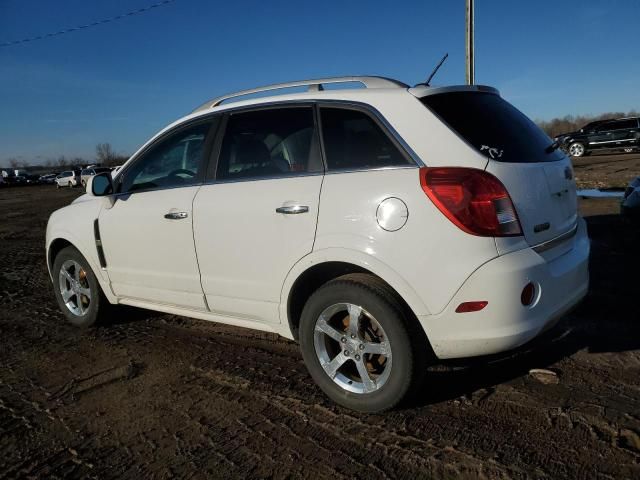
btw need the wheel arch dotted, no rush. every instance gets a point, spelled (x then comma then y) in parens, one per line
(62, 240)
(318, 268)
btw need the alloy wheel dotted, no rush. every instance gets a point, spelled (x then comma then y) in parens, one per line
(74, 287)
(576, 149)
(352, 348)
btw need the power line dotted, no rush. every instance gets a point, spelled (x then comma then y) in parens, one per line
(88, 25)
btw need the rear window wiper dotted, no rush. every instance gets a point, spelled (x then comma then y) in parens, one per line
(552, 148)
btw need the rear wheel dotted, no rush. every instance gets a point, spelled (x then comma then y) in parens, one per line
(77, 290)
(577, 149)
(356, 342)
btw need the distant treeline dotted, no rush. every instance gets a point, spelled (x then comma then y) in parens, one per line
(571, 123)
(105, 156)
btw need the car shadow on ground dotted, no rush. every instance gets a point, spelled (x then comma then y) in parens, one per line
(608, 320)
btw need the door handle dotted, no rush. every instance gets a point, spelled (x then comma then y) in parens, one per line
(176, 215)
(293, 209)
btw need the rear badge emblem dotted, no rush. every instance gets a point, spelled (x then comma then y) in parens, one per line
(568, 174)
(541, 227)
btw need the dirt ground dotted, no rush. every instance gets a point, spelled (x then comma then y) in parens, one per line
(600, 171)
(159, 396)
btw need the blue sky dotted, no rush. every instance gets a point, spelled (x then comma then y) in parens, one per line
(121, 82)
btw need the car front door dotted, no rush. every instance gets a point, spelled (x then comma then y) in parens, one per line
(256, 216)
(602, 137)
(147, 235)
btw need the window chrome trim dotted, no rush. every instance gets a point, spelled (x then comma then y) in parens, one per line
(330, 102)
(549, 244)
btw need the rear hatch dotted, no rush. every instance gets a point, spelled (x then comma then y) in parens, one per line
(539, 179)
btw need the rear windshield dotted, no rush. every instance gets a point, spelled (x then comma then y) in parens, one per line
(493, 126)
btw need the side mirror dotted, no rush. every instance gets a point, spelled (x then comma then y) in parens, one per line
(100, 185)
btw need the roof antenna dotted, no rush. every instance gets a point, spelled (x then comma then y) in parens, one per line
(435, 70)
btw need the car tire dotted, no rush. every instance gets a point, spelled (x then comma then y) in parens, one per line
(337, 359)
(577, 149)
(77, 291)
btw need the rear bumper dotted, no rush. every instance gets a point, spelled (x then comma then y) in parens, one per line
(504, 324)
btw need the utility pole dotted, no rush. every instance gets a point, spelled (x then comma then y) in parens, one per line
(470, 57)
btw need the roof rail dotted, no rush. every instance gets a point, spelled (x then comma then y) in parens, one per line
(314, 85)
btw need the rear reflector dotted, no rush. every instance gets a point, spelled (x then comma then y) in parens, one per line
(474, 200)
(471, 307)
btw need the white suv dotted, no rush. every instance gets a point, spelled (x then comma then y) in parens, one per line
(377, 227)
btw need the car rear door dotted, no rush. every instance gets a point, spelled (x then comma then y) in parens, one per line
(625, 132)
(147, 235)
(256, 216)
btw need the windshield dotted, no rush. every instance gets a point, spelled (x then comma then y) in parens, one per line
(492, 126)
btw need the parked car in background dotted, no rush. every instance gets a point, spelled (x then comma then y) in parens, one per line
(88, 172)
(621, 134)
(48, 179)
(27, 179)
(630, 207)
(376, 226)
(66, 179)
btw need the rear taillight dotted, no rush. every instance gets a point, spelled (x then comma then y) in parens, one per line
(474, 200)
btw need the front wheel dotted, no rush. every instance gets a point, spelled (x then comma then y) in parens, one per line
(358, 344)
(76, 288)
(576, 149)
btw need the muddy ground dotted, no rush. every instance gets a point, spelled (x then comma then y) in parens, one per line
(598, 171)
(159, 396)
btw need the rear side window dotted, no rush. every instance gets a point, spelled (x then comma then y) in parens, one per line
(624, 124)
(353, 141)
(492, 126)
(269, 143)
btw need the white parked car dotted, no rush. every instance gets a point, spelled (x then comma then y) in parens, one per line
(67, 179)
(377, 227)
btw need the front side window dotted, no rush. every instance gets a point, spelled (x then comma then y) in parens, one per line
(353, 141)
(269, 143)
(176, 161)
(605, 127)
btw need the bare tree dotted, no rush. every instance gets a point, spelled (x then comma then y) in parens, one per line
(61, 161)
(14, 163)
(106, 156)
(104, 153)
